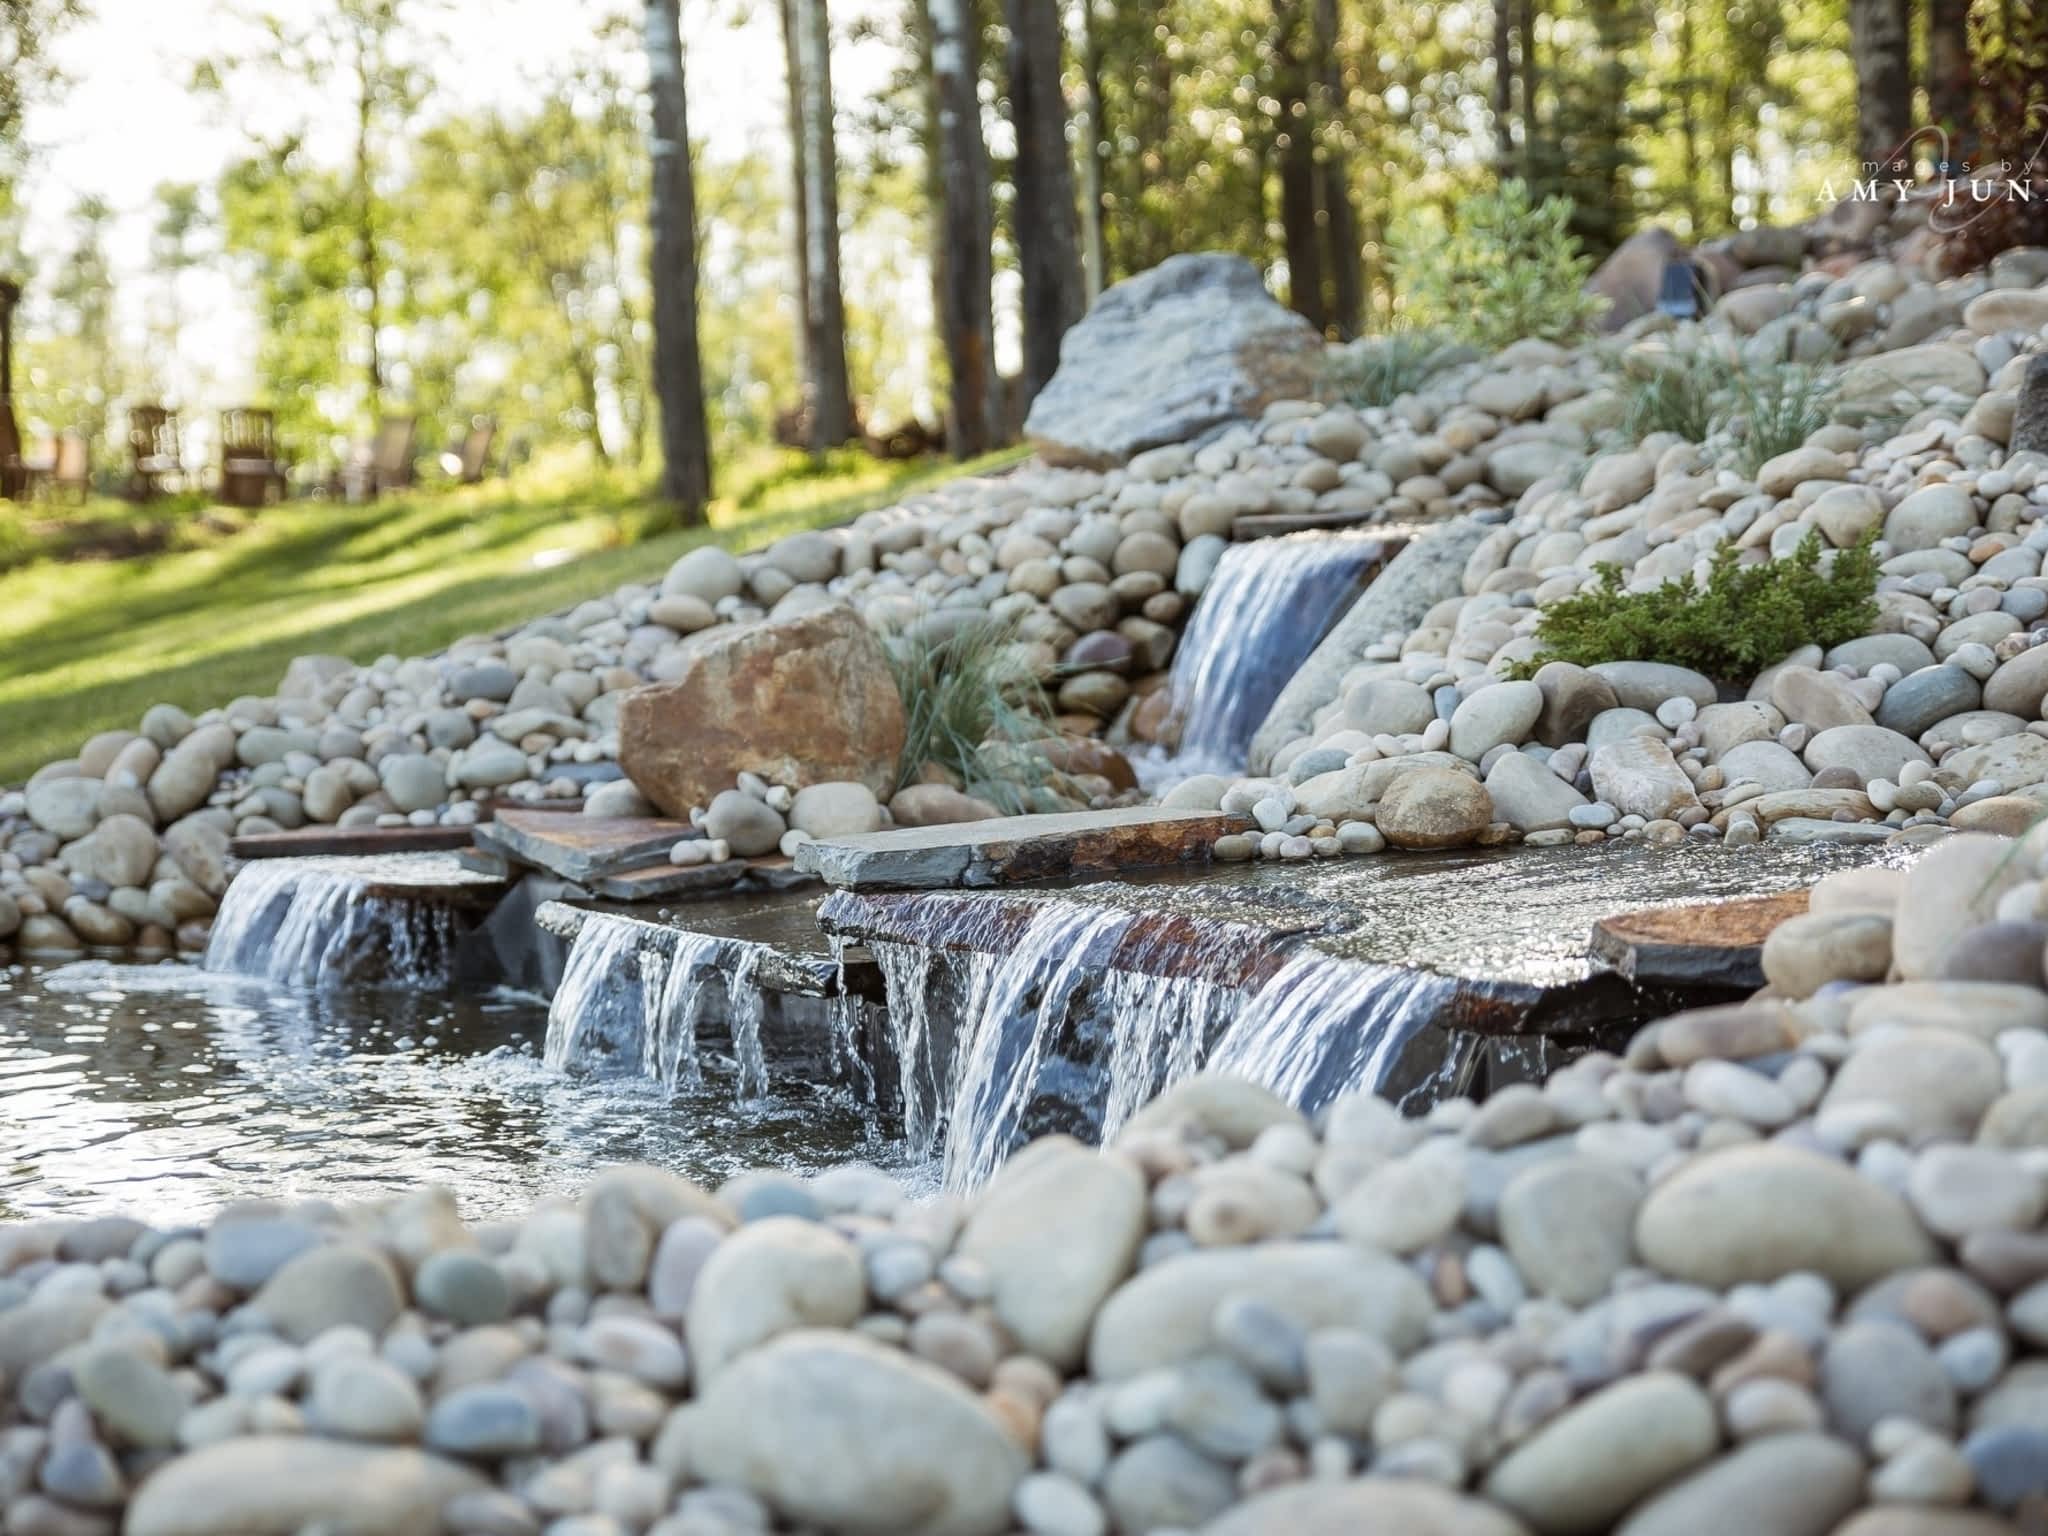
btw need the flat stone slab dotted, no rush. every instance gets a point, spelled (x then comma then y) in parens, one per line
(793, 963)
(1268, 525)
(349, 842)
(1012, 849)
(581, 848)
(658, 882)
(1715, 942)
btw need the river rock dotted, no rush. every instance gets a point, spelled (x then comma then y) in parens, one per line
(1876, 1370)
(1059, 1228)
(1434, 808)
(1929, 515)
(1949, 889)
(1757, 1213)
(1869, 383)
(1921, 1084)
(1164, 356)
(707, 573)
(835, 810)
(750, 827)
(837, 1432)
(1569, 1225)
(281, 1485)
(1924, 699)
(1866, 751)
(1162, 1315)
(1501, 713)
(801, 700)
(1578, 1474)
(330, 1286)
(1370, 1504)
(1638, 776)
(772, 1277)
(1788, 1485)
(1528, 796)
(67, 808)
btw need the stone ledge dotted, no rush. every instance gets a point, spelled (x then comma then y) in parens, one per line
(1012, 849)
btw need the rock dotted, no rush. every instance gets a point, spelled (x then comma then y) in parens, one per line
(1161, 1483)
(1782, 475)
(1958, 1191)
(491, 680)
(1866, 752)
(1924, 1083)
(1632, 277)
(67, 808)
(1638, 776)
(1765, 763)
(772, 1277)
(489, 764)
(834, 1431)
(2010, 1462)
(1803, 954)
(1162, 1316)
(936, 805)
(1512, 468)
(1370, 1504)
(2006, 309)
(1757, 1213)
(1230, 1108)
(1166, 355)
(1871, 1371)
(484, 1419)
(281, 1485)
(802, 700)
(1388, 706)
(1645, 685)
(1528, 796)
(1923, 700)
(1929, 515)
(1572, 696)
(683, 612)
(835, 810)
(414, 782)
(1789, 1485)
(137, 1400)
(1568, 1223)
(1502, 713)
(1434, 808)
(121, 850)
(1578, 1474)
(1059, 1228)
(2019, 685)
(707, 573)
(748, 825)
(1404, 1205)
(358, 1398)
(2030, 418)
(331, 1286)
(466, 1288)
(807, 556)
(1869, 383)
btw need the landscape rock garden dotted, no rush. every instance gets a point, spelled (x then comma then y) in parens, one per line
(1778, 1267)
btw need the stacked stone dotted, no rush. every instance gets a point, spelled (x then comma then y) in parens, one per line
(1779, 1266)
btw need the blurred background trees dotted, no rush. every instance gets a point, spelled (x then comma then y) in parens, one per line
(910, 253)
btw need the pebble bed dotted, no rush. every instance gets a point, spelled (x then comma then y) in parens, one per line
(1780, 1267)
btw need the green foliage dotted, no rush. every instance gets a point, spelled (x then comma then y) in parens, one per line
(1767, 408)
(964, 687)
(1505, 267)
(1744, 619)
(1378, 370)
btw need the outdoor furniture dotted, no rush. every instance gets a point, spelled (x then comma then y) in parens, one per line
(1681, 289)
(249, 466)
(476, 450)
(384, 464)
(71, 465)
(152, 451)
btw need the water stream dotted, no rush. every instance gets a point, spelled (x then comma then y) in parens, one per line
(1268, 605)
(328, 923)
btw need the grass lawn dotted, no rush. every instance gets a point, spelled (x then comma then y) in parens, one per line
(86, 646)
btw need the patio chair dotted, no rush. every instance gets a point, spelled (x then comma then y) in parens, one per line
(152, 451)
(384, 464)
(249, 466)
(71, 465)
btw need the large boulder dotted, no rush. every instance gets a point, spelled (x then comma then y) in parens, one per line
(1168, 354)
(802, 700)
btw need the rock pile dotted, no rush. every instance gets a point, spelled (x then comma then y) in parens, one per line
(1780, 1267)
(1934, 720)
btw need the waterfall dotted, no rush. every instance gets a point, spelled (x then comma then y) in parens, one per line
(321, 923)
(1265, 609)
(628, 1005)
(1323, 1027)
(1072, 1015)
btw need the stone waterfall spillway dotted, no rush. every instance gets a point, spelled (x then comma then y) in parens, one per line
(1267, 605)
(327, 923)
(1072, 1016)
(627, 1004)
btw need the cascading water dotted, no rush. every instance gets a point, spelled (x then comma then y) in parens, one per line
(1265, 609)
(320, 923)
(628, 1005)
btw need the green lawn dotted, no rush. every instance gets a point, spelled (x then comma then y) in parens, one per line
(87, 645)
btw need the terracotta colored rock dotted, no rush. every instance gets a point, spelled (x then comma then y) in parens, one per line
(802, 700)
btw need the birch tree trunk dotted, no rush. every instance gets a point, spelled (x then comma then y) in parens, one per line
(963, 234)
(672, 213)
(1333, 166)
(1503, 83)
(800, 262)
(1048, 242)
(831, 398)
(1884, 86)
(1948, 69)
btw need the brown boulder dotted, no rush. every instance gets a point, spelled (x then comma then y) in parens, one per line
(801, 700)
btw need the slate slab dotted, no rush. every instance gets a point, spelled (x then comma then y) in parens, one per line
(1715, 942)
(581, 848)
(1011, 849)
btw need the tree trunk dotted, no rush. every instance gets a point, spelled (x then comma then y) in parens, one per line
(1294, 143)
(1503, 83)
(831, 397)
(1532, 82)
(1094, 170)
(1688, 125)
(368, 260)
(10, 295)
(1884, 89)
(806, 322)
(1048, 244)
(672, 215)
(963, 235)
(1948, 70)
(1340, 211)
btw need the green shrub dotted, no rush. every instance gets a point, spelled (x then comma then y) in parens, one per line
(963, 688)
(1744, 619)
(1765, 408)
(1378, 370)
(1505, 269)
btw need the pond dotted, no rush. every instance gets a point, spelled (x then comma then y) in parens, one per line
(165, 1091)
